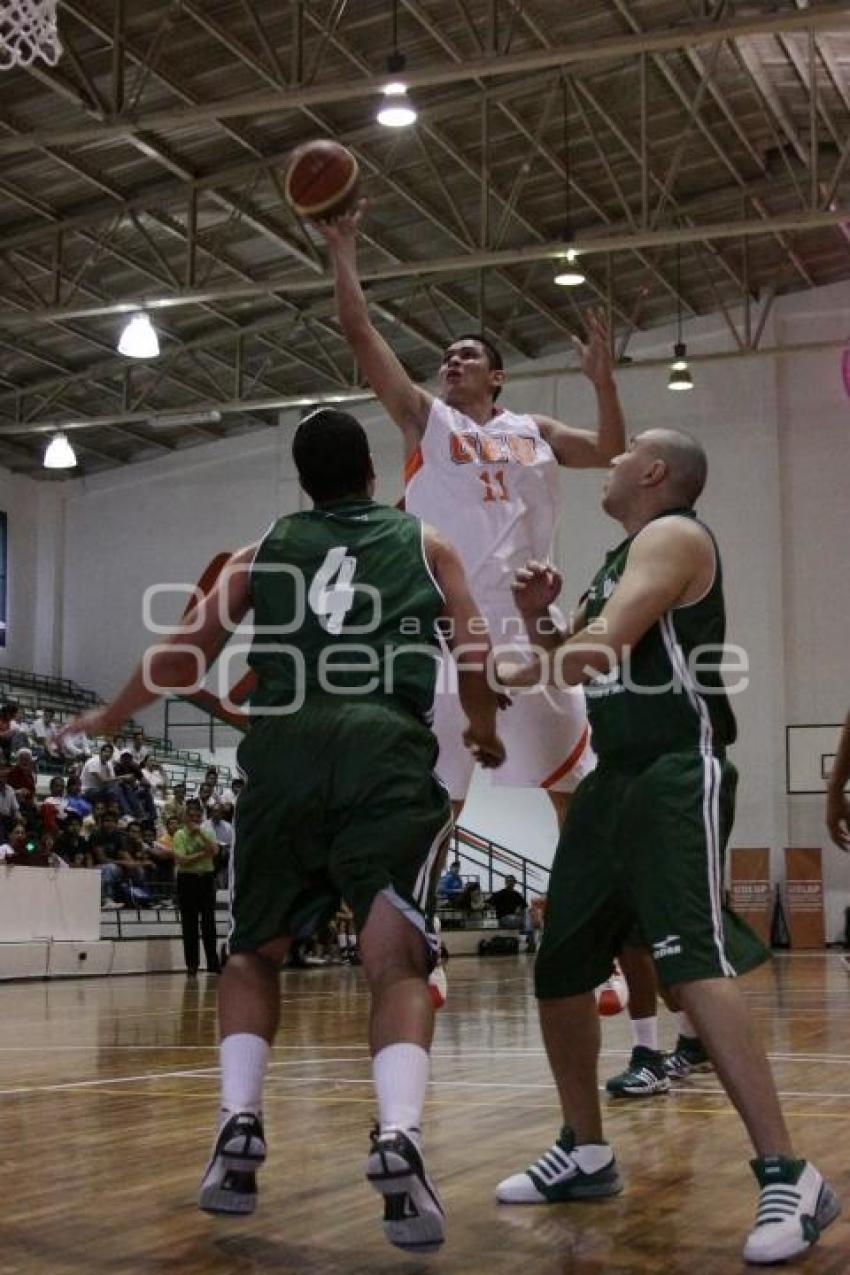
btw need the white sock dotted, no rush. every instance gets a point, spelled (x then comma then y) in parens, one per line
(593, 1156)
(400, 1076)
(645, 1032)
(244, 1059)
(686, 1027)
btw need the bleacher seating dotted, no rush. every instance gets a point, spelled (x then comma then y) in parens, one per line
(66, 699)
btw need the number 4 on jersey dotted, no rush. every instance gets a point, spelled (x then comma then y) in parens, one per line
(331, 599)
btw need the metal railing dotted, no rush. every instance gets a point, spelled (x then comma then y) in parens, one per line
(499, 861)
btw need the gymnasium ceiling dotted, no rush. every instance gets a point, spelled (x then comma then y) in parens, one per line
(709, 164)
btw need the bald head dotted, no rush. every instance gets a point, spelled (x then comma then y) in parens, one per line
(685, 461)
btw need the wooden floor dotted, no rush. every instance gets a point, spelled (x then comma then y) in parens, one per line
(108, 1090)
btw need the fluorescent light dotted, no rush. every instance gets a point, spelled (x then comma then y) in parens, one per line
(139, 339)
(59, 453)
(173, 420)
(569, 275)
(680, 379)
(397, 110)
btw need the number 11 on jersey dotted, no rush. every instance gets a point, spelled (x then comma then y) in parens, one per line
(494, 485)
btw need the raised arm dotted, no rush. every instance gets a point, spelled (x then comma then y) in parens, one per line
(837, 803)
(581, 448)
(406, 402)
(671, 562)
(181, 658)
(471, 648)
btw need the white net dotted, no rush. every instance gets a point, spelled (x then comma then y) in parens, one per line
(28, 31)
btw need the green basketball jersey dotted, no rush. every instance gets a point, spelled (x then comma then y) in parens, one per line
(344, 605)
(667, 695)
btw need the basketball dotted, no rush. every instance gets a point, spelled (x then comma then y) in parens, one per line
(613, 996)
(321, 180)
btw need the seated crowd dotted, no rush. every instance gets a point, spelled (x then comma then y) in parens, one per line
(111, 809)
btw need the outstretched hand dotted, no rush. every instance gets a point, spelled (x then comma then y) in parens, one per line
(535, 587)
(97, 721)
(595, 353)
(341, 231)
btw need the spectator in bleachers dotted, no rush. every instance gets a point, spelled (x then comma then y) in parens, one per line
(512, 911)
(471, 901)
(450, 884)
(194, 855)
(76, 747)
(14, 845)
(118, 871)
(133, 792)
(175, 805)
(222, 830)
(44, 731)
(74, 799)
(231, 792)
(72, 846)
(54, 808)
(211, 778)
(12, 734)
(9, 810)
(137, 747)
(98, 775)
(154, 777)
(206, 797)
(23, 776)
(29, 812)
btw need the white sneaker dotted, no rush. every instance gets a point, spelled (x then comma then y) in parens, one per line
(438, 986)
(413, 1214)
(110, 905)
(795, 1205)
(557, 1177)
(229, 1184)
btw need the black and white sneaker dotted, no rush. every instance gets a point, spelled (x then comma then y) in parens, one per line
(688, 1058)
(644, 1076)
(229, 1184)
(794, 1207)
(413, 1214)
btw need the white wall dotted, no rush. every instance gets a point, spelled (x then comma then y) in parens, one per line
(776, 431)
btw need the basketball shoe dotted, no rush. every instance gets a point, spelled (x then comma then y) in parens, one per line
(688, 1057)
(229, 1184)
(795, 1205)
(557, 1176)
(643, 1077)
(413, 1214)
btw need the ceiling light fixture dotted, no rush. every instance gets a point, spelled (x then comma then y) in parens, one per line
(59, 454)
(567, 273)
(397, 110)
(139, 339)
(680, 374)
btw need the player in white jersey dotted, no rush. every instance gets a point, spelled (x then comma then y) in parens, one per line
(488, 479)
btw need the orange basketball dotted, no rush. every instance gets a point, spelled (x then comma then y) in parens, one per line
(613, 996)
(321, 180)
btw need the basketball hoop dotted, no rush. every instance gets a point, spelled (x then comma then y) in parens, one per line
(28, 31)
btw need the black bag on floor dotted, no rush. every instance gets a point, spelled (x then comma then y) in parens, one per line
(499, 945)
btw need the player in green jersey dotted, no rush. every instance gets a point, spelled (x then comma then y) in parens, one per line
(341, 799)
(646, 833)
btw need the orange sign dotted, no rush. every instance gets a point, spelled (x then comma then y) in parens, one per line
(804, 897)
(749, 882)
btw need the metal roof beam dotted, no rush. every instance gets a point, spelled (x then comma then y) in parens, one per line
(831, 14)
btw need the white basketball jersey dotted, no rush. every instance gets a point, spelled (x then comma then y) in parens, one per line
(492, 489)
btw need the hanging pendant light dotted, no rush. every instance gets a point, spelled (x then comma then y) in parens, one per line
(139, 339)
(680, 373)
(397, 110)
(568, 274)
(59, 454)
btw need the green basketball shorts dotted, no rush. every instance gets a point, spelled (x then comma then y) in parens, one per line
(340, 802)
(643, 852)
